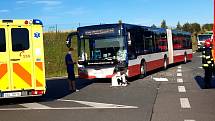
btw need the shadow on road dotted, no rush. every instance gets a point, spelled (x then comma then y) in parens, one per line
(56, 89)
(201, 83)
(59, 88)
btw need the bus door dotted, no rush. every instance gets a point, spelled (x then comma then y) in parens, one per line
(20, 57)
(4, 60)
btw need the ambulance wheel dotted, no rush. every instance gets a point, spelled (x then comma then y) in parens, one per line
(143, 69)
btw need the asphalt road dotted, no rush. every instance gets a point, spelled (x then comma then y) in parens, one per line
(174, 94)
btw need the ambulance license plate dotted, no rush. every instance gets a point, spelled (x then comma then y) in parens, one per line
(12, 94)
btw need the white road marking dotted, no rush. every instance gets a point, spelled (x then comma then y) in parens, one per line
(179, 70)
(185, 103)
(189, 120)
(179, 67)
(200, 56)
(93, 105)
(179, 74)
(200, 67)
(64, 108)
(181, 89)
(34, 106)
(161, 79)
(99, 105)
(179, 80)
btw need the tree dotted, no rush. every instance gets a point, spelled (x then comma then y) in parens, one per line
(163, 24)
(179, 27)
(195, 27)
(186, 27)
(120, 21)
(207, 27)
(154, 26)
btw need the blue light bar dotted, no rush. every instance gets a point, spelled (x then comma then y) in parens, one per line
(37, 22)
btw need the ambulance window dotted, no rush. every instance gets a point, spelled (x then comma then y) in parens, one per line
(2, 40)
(20, 39)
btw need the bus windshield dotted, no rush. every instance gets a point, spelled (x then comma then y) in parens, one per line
(203, 37)
(111, 48)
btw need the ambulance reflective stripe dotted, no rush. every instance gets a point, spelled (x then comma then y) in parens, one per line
(207, 57)
(39, 74)
(22, 73)
(3, 70)
(209, 62)
(205, 65)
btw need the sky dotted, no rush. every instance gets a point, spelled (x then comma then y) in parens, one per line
(69, 14)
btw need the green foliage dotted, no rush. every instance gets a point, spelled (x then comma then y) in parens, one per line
(207, 27)
(193, 27)
(154, 26)
(186, 27)
(55, 51)
(163, 24)
(179, 27)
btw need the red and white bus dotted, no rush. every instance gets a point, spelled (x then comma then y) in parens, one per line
(104, 50)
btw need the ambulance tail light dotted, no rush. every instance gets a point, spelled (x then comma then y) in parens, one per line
(26, 22)
(37, 22)
(37, 92)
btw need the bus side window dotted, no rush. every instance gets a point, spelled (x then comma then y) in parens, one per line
(148, 42)
(131, 46)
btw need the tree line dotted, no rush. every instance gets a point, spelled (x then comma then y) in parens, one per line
(194, 28)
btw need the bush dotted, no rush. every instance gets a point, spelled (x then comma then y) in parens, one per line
(55, 51)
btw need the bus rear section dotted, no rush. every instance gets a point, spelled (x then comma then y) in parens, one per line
(179, 46)
(22, 70)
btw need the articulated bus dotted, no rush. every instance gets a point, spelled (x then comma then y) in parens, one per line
(104, 50)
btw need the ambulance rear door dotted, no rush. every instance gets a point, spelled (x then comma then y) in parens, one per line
(21, 57)
(5, 81)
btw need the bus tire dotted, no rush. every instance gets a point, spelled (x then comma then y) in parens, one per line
(185, 58)
(165, 64)
(143, 69)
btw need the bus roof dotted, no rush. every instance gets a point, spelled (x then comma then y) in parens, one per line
(158, 30)
(180, 32)
(127, 26)
(101, 26)
(107, 29)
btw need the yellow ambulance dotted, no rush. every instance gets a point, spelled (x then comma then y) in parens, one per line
(22, 70)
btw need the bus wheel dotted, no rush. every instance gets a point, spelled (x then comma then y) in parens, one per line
(142, 69)
(185, 58)
(165, 64)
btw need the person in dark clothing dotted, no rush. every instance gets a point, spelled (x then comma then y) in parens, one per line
(70, 70)
(207, 62)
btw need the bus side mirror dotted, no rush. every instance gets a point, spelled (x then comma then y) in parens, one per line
(68, 42)
(69, 39)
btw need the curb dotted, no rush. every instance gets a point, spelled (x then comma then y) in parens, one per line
(60, 77)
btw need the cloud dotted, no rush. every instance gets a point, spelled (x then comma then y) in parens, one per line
(4, 11)
(48, 2)
(22, 1)
(76, 12)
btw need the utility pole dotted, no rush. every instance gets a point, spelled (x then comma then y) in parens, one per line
(56, 28)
